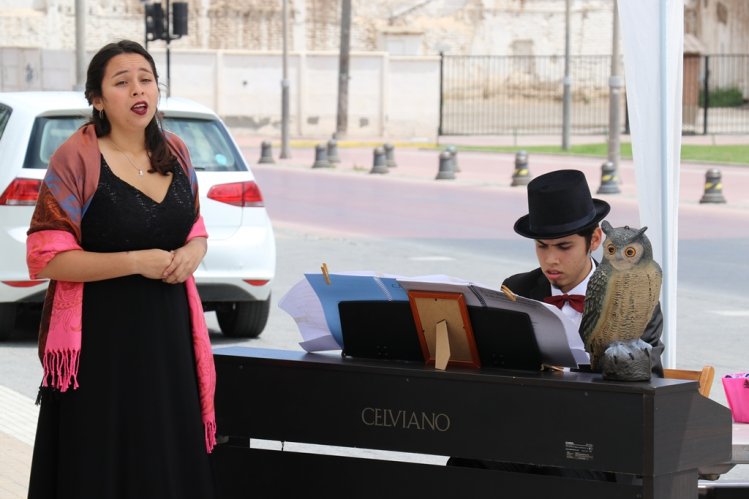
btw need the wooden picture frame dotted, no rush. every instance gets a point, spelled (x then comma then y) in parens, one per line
(429, 308)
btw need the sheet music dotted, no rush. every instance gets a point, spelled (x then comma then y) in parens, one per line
(314, 306)
(557, 336)
(444, 284)
(303, 305)
(349, 286)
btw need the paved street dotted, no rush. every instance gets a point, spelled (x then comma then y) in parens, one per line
(407, 223)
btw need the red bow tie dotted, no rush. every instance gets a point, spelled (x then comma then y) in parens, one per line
(576, 301)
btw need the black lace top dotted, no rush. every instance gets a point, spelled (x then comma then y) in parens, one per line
(120, 217)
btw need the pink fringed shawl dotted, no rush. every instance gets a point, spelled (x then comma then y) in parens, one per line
(70, 183)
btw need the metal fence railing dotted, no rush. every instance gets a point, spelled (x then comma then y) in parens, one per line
(725, 90)
(500, 95)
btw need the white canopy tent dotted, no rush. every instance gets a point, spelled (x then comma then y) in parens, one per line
(653, 39)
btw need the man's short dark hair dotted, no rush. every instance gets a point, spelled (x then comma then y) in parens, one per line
(588, 235)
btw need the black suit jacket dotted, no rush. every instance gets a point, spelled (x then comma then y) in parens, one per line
(534, 284)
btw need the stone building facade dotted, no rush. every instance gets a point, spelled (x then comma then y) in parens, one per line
(409, 27)
(721, 26)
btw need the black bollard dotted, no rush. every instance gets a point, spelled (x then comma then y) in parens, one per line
(521, 175)
(446, 171)
(333, 152)
(321, 157)
(379, 164)
(713, 187)
(390, 156)
(266, 153)
(609, 179)
(453, 157)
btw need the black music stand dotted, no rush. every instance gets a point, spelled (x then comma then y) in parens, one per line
(505, 339)
(379, 330)
(386, 330)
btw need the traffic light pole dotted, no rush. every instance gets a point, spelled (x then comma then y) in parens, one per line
(161, 26)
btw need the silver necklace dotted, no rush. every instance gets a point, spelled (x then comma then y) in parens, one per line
(140, 172)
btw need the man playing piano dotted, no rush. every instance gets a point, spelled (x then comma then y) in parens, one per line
(563, 220)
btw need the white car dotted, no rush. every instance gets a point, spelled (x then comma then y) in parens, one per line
(236, 274)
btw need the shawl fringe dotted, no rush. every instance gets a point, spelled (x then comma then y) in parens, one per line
(210, 435)
(61, 369)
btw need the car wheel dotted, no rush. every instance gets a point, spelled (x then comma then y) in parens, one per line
(7, 320)
(243, 319)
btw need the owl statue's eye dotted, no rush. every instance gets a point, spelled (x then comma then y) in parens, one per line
(629, 252)
(611, 249)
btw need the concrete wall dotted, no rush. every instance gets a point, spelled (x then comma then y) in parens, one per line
(36, 69)
(388, 95)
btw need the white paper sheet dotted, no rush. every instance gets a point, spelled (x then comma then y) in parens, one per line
(302, 304)
(442, 284)
(558, 339)
(557, 336)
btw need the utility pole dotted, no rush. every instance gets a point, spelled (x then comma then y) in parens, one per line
(566, 98)
(80, 44)
(343, 69)
(285, 86)
(168, 33)
(615, 90)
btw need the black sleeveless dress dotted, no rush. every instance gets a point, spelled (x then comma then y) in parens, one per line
(133, 428)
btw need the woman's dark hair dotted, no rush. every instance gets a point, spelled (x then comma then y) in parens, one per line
(162, 158)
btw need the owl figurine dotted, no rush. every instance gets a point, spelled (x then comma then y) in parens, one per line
(621, 296)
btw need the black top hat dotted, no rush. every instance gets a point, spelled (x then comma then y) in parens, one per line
(559, 204)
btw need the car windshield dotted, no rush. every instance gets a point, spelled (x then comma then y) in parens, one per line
(207, 140)
(4, 117)
(47, 135)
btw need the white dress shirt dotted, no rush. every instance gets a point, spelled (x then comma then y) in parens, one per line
(580, 289)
